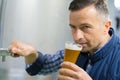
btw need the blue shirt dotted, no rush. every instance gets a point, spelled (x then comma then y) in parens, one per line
(105, 62)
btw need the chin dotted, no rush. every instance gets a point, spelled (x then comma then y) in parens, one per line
(85, 50)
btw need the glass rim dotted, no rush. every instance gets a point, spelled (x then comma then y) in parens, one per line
(72, 45)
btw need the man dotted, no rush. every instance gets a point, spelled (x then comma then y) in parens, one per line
(100, 56)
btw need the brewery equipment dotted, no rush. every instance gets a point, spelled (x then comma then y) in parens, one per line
(42, 23)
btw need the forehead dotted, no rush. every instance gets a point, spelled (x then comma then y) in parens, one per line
(87, 14)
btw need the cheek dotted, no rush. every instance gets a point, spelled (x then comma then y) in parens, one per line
(73, 35)
(93, 40)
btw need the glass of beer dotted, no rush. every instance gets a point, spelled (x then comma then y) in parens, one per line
(72, 51)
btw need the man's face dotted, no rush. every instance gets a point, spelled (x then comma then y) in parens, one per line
(88, 29)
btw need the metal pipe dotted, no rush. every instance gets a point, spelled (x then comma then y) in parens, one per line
(2, 13)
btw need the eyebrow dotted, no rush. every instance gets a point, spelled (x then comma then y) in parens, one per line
(80, 24)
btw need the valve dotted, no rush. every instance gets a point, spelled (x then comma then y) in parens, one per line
(4, 52)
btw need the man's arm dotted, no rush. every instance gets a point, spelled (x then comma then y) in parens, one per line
(36, 61)
(46, 64)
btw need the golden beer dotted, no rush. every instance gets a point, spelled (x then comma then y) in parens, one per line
(72, 52)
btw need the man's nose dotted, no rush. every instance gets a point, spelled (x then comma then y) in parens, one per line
(78, 34)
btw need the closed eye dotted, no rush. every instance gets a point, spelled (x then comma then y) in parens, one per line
(72, 26)
(85, 27)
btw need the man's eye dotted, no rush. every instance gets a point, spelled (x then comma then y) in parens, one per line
(84, 27)
(72, 27)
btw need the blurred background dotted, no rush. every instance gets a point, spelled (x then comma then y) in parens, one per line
(42, 23)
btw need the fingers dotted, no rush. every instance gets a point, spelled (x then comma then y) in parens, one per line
(71, 71)
(62, 77)
(17, 48)
(13, 50)
(71, 66)
(64, 72)
(22, 49)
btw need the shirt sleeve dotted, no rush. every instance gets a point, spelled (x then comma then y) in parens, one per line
(45, 64)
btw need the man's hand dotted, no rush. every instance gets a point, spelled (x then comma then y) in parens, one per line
(70, 71)
(18, 48)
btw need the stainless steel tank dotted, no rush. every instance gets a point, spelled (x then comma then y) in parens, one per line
(42, 23)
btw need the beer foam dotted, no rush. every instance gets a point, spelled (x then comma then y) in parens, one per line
(73, 46)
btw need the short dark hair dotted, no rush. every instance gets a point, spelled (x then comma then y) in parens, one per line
(100, 5)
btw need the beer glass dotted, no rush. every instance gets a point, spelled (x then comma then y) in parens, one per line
(72, 51)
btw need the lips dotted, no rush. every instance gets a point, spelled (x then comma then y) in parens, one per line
(82, 44)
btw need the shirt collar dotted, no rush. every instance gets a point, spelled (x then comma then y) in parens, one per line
(103, 51)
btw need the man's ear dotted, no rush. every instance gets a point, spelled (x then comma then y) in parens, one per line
(108, 25)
